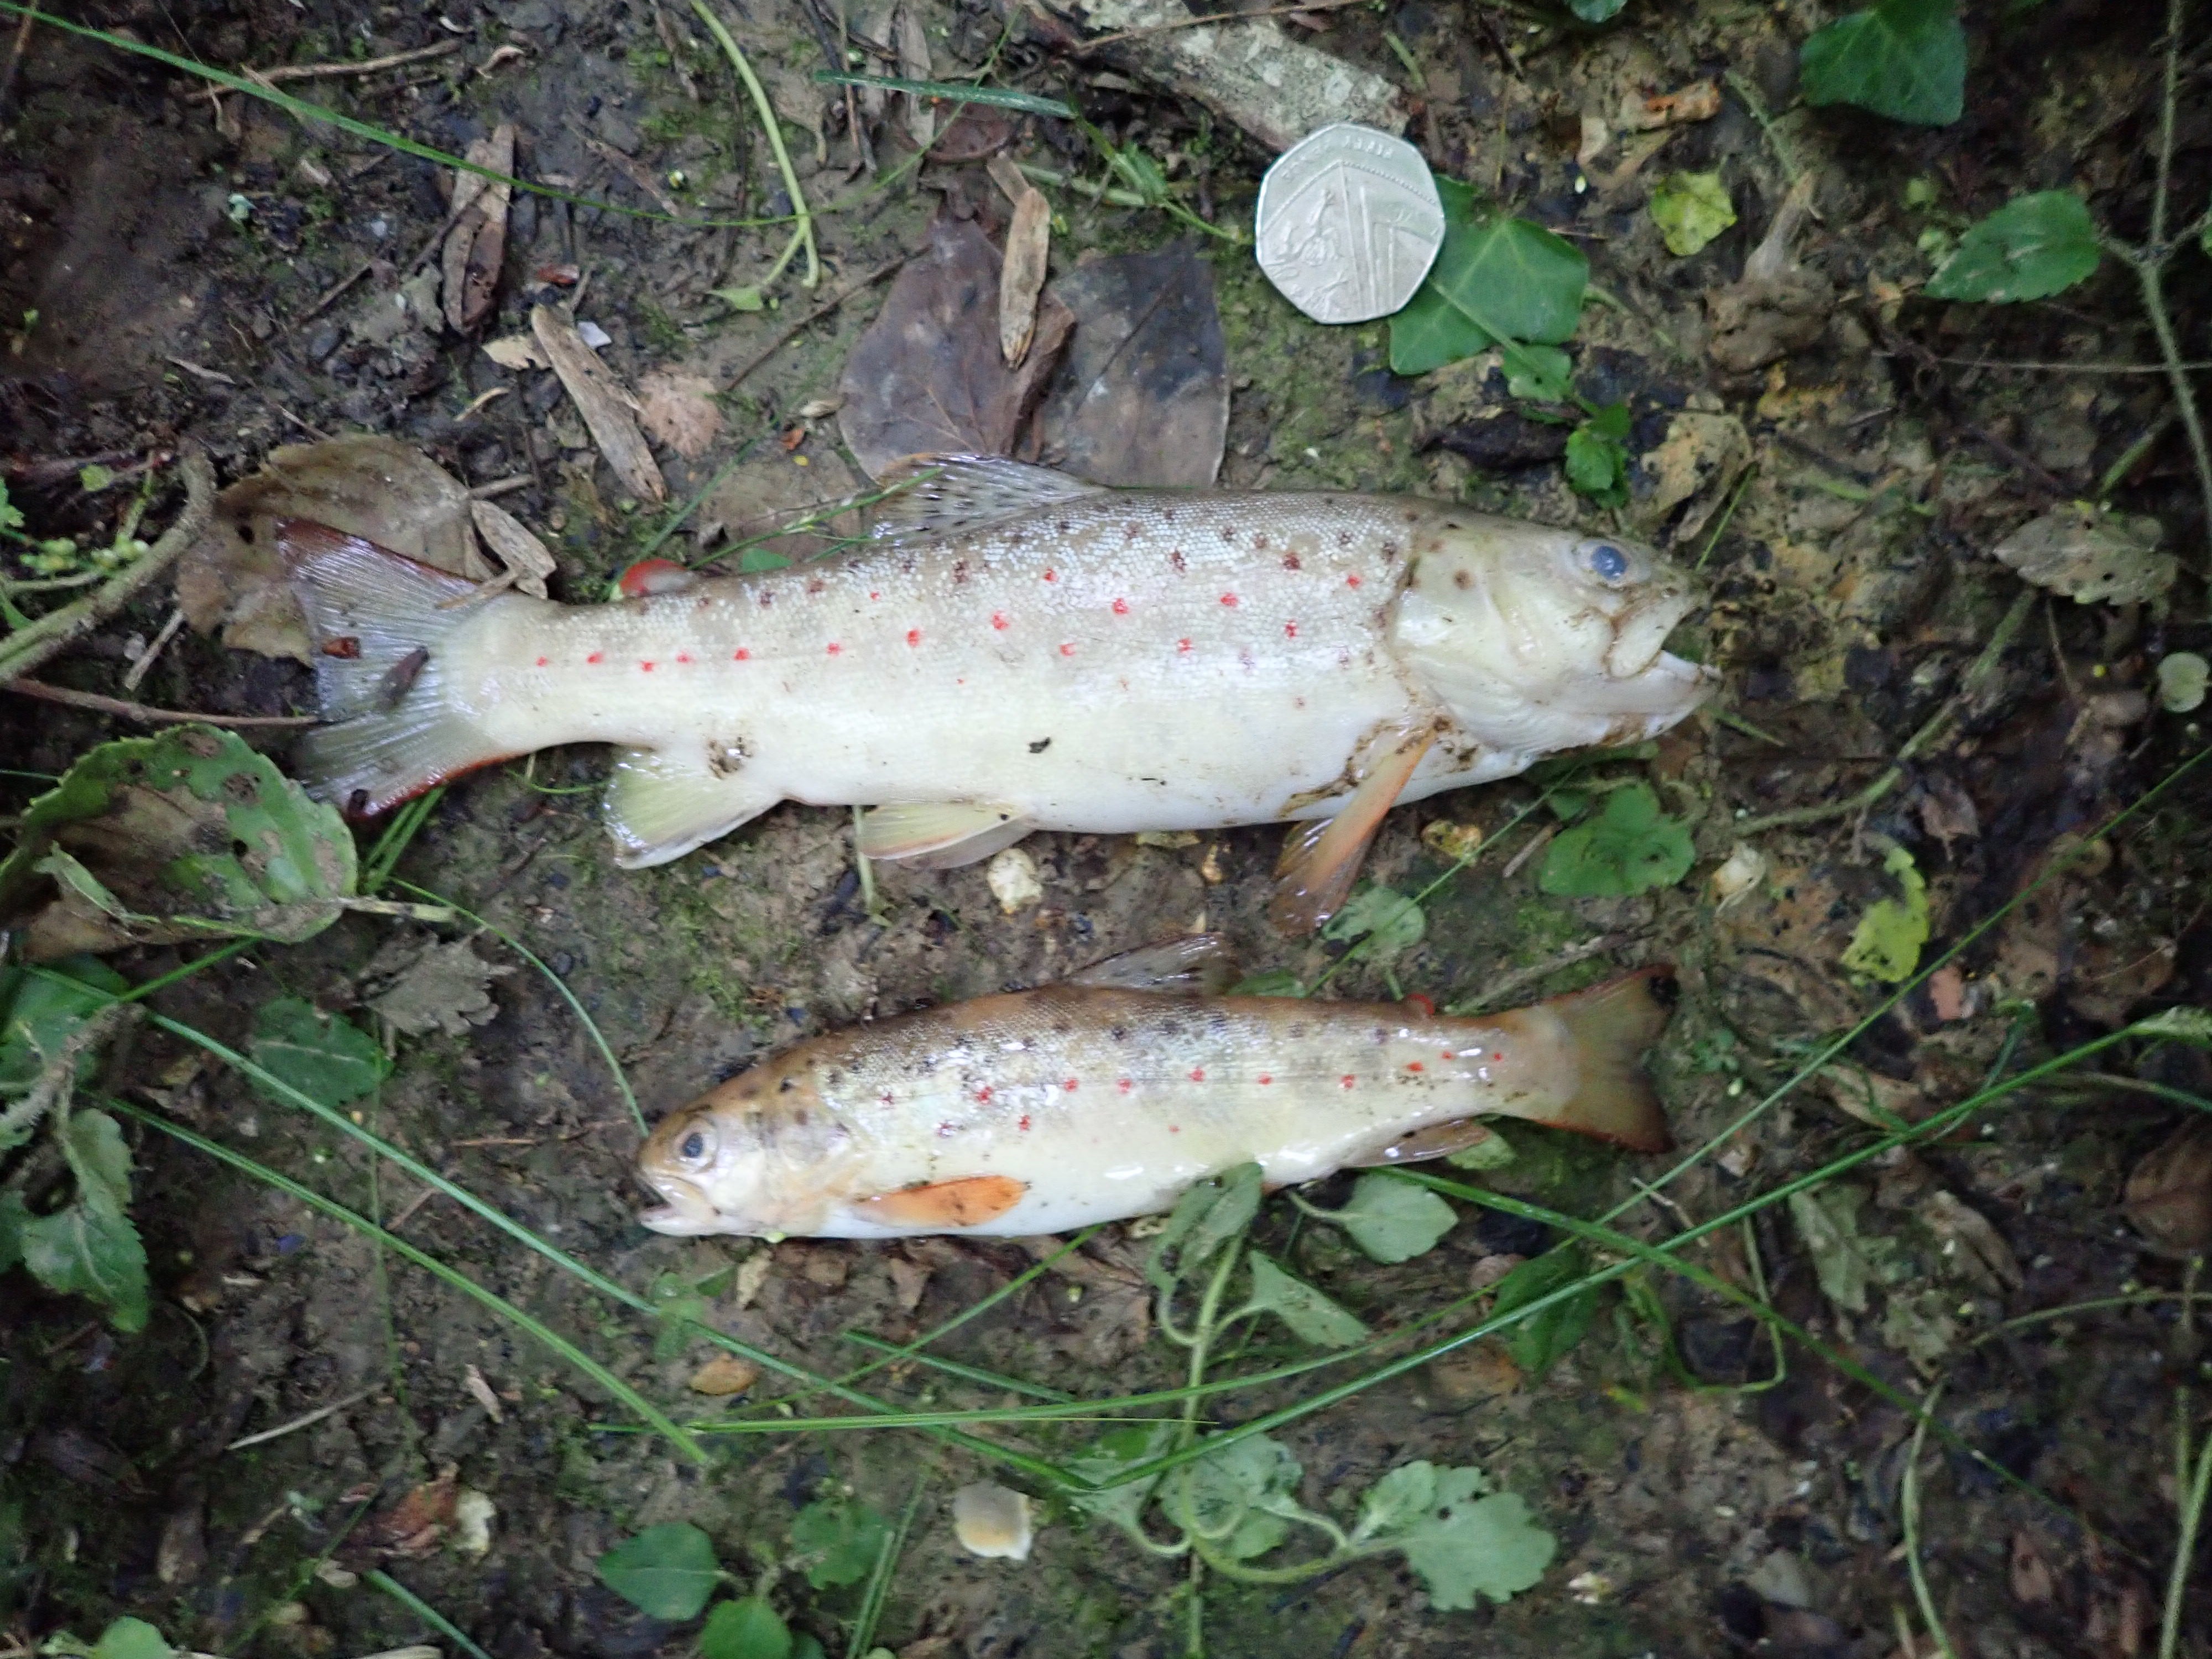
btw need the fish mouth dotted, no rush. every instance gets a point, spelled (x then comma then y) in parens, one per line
(689, 1214)
(1639, 634)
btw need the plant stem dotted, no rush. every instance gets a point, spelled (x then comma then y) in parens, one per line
(1911, 1501)
(2150, 273)
(804, 235)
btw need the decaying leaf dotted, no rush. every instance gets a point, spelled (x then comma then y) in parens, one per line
(677, 407)
(477, 242)
(601, 398)
(1827, 1220)
(1028, 248)
(2090, 555)
(446, 988)
(1778, 307)
(529, 561)
(1143, 398)
(1972, 1244)
(372, 487)
(2169, 1192)
(1697, 462)
(517, 352)
(187, 835)
(414, 1525)
(1698, 101)
(928, 377)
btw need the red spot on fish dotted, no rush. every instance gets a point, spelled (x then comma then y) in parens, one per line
(1290, 630)
(835, 648)
(1182, 644)
(647, 667)
(1052, 575)
(816, 585)
(1198, 1074)
(1024, 1122)
(541, 662)
(914, 637)
(998, 619)
(1175, 1128)
(1066, 650)
(984, 1094)
(1499, 1055)
(1291, 561)
(684, 656)
(1125, 1085)
(885, 1097)
(1414, 1066)
(1428, 1008)
(1069, 1085)
(1346, 1079)
(875, 596)
(1352, 582)
(741, 655)
(1260, 542)
(945, 1131)
(1121, 607)
(1229, 599)
(597, 656)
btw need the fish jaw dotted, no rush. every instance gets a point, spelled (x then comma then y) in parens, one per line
(689, 1214)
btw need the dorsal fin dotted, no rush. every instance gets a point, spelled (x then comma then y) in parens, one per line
(1197, 964)
(944, 494)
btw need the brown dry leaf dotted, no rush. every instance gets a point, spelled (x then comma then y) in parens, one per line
(977, 131)
(1698, 101)
(1872, 1098)
(2029, 1573)
(910, 1279)
(1947, 990)
(529, 561)
(1482, 1370)
(417, 1522)
(913, 47)
(928, 378)
(723, 1376)
(1971, 1242)
(1779, 307)
(1143, 398)
(2169, 1192)
(2091, 556)
(677, 407)
(1028, 250)
(516, 351)
(606, 405)
(1946, 810)
(476, 244)
(1698, 462)
(377, 488)
(481, 1391)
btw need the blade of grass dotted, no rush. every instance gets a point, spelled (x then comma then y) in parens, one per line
(406, 824)
(967, 1373)
(879, 1581)
(552, 1339)
(422, 1610)
(954, 92)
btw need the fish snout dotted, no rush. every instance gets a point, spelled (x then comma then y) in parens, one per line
(688, 1213)
(1640, 629)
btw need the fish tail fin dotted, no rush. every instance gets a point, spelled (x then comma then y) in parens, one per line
(1608, 1029)
(379, 625)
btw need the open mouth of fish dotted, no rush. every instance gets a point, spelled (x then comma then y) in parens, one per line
(1639, 635)
(688, 1212)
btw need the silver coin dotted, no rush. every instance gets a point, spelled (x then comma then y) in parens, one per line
(1348, 223)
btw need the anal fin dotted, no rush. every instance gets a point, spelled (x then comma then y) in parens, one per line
(939, 835)
(969, 1202)
(1197, 964)
(662, 805)
(1316, 872)
(1437, 1140)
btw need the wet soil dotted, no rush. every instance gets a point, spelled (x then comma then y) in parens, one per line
(225, 274)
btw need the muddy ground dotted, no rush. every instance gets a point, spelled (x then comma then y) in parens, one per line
(181, 258)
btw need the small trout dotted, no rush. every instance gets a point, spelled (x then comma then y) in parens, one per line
(1020, 651)
(1099, 1099)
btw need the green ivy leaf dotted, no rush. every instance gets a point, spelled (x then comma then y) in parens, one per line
(2029, 249)
(1886, 945)
(1393, 1220)
(1462, 1538)
(1541, 373)
(1691, 209)
(44, 1009)
(1630, 847)
(1204, 1219)
(1311, 1317)
(1494, 271)
(188, 835)
(1597, 463)
(1389, 921)
(131, 1639)
(331, 1060)
(1108, 1456)
(1903, 58)
(748, 1629)
(1550, 1332)
(837, 1540)
(666, 1572)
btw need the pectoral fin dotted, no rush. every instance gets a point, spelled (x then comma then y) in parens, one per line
(946, 1205)
(1198, 964)
(1319, 862)
(660, 805)
(1437, 1140)
(939, 835)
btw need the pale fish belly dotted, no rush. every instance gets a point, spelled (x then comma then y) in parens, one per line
(1137, 661)
(1099, 1126)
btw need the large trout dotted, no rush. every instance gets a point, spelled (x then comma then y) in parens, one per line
(1021, 651)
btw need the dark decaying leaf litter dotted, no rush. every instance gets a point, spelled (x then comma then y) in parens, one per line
(328, 1326)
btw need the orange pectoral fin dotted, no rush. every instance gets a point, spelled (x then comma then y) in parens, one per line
(1318, 863)
(968, 1202)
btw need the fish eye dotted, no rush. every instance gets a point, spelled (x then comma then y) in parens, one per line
(694, 1147)
(1607, 563)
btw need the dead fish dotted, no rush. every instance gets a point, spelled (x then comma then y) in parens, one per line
(1022, 651)
(1109, 1095)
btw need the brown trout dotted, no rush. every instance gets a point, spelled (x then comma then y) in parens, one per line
(1021, 651)
(1109, 1095)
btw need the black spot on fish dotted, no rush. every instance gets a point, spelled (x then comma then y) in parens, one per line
(1389, 550)
(768, 598)
(400, 676)
(1461, 579)
(1176, 559)
(1040, 745)
(1061, 526)
(1119, 1033)
(799, 1118)
(1297, 1028)
(960, 570)
(787, 1085)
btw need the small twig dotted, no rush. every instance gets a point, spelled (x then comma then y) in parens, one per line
(1097, 41)
(298, 1423)
(15, 62)
(147, 657)
(2053, 369)
(1747, 96)
(630, 167)
(366, 66)
(139, 711)
(792, 330)
(332, 293)
(27, 648)
(1514, 982)
(667, 31)
(484, 492)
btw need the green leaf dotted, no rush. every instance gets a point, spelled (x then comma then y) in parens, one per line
(1311, 1317)
(1886, 945)
(1596, 11)
(681, 1305)
(1107, 1457)
(1827, 1220)
(1238, 1498)
(97, 1157)
(1541, 373)
(15, 1216)
(190, 835)
(1393, 1220)
(131, 1639)
(1492, 1151)
(803, 1646)
(740, 298)
(1493, 272)
(1550, 1332)
(2030, 248)
(44, 1008)
(1389, 921)
(89, 1248)
(1204, 1219)
(749, 1629)
(1597, 465)
(837, 1540)
(329, 1059)
(1272, 982)
(666, 1572)
(1903, 58)
(1462, 1538)
(1691, 209)
(92, 480)
(1629, 848)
